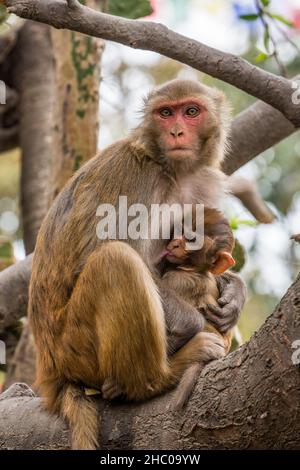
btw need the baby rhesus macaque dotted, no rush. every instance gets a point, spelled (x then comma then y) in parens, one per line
(192, 274)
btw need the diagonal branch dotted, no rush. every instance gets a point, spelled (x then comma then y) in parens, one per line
(274, 90)
(253, 131)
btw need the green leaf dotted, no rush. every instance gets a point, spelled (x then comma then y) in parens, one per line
(235, 223)
(281, 19)
(3, 13)
(267, 38)
(261, 57)
(239, 255)
(250, 17)
(265, 3)
(249, 223)
(130, 8)
(6, 249)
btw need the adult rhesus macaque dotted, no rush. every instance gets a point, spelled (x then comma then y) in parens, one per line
(191, 273)
(97, 313)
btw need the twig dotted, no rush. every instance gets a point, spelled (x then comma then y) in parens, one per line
(274, 90)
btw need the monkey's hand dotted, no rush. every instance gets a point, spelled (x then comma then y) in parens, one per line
(233, 296)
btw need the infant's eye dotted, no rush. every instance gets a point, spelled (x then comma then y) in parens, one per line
(165, 112)
(192, 111)
(190, 238)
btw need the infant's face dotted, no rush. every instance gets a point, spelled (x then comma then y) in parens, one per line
(176, 252)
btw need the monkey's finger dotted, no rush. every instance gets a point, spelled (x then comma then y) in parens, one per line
(112, 393)
(225, 327)
(110, 390)
(225, 299)
(214, 319)
(213, 308)
(231, 310)
(107, 385)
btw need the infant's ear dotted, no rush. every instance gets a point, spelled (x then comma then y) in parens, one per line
(223, 262)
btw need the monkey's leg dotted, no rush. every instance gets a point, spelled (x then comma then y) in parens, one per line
(183, 320)
(212, 347)
(130, 324)
(130, 329)
(227, 337)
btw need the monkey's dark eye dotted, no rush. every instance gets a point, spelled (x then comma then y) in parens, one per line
(165, 112)
(190, 238)
(192, 111)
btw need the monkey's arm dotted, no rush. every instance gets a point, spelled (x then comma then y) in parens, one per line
(233, 295)
(183, 321)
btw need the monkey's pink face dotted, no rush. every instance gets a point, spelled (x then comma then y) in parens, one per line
(179, 125)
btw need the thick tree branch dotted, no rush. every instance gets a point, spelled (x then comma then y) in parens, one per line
(14, 283)
(253, 131)
(236, 402)
(9, 125)
(274, 90)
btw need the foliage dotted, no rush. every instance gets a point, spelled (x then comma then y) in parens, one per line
(239, 255)
(270, 19)
(130, 8)
(3, 14)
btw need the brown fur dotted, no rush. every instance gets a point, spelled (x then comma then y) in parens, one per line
(94, 307)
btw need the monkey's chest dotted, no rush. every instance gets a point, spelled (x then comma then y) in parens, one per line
(198, 289)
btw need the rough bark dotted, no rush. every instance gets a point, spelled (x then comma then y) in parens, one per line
(14, 283)
(35, 81)
(22, 365)
(9, 128)
(274, 90)
(248, 400)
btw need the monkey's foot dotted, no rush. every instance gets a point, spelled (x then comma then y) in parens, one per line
(111, 390)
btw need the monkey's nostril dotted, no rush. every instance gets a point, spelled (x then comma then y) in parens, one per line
(177, 134)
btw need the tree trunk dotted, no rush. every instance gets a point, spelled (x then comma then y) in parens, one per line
(248, 400)
(57, 74)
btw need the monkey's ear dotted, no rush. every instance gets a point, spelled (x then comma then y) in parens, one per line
(223, 262)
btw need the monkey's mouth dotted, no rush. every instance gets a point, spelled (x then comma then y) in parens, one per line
(174, 259)
(179, 152)
(165, 253)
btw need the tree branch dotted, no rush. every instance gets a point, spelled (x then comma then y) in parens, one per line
(253, 131)
(235, 403)
(274, 90)
(14, 283)
(247, 192)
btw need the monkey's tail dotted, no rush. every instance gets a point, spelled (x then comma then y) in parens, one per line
(81, 412)
(186, 386)
(70, 402)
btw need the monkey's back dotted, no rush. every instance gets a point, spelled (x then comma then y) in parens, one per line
(68, 236)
